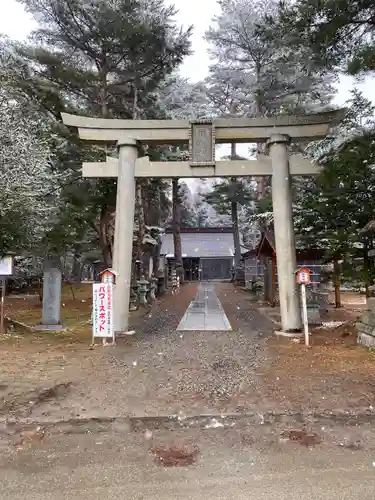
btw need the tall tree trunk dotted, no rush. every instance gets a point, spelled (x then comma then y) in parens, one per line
(258, 111)
(105, 213)
(77, 268)
(104, 234)
(103, 93)
(337, 283)
(141, 225)
(367, 267)
(139, 198)
(176, 226)
(234, 214)
(236, 234)
(104, 105)
(157, 215)
(135, 103)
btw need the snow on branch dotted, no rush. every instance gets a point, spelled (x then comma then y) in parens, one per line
(26, 175)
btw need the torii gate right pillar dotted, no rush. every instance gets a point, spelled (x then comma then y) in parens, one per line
(284, 234)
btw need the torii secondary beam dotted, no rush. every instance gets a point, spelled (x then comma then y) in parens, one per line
(262, 166)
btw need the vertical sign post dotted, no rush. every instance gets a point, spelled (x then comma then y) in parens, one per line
(6, 270)
(303, 279)
(3, 289)
(102, 313)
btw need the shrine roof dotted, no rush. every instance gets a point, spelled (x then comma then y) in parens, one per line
(198, 243)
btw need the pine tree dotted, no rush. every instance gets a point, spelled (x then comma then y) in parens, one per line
(274, 77)
(201, 217)
(339, 34)
(107, 55)
(257, 76)
(179, 99)
(187, 207)
(334, 208)
(102, 58)
(225, 197)
(28, 183)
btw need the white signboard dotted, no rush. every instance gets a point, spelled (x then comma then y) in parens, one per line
(102, 313)
(6, 265)
(304, 277)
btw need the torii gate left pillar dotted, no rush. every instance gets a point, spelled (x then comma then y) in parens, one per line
(123, 238)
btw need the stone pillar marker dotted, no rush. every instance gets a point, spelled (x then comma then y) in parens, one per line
(123, 239)
(365, 325)
(284, 234)
(52, 279)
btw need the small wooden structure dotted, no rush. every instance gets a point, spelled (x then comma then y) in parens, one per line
(262, 260)
(108, 276)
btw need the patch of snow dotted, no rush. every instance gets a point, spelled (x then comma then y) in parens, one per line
(214, 424)
(333, 324)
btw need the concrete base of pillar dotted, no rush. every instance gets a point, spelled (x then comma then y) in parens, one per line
(124, 334)
(291, 335)
(366, 340)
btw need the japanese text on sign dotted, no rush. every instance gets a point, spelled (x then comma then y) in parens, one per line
(102, 314)
(303, 276)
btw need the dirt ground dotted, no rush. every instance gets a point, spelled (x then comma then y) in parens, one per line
(333, 374)
(76, 306)
(49, 376)
(353, 304)
(160, 371)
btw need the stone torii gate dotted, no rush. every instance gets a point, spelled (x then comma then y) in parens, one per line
(202, 135)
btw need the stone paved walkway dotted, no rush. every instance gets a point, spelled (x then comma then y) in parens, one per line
(205, 312)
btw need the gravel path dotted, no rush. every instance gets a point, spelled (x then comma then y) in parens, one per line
(198, 372)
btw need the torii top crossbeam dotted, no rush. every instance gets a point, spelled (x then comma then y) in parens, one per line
(224, 130)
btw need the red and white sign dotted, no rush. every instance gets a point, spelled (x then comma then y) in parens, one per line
(303, 276)
(102, 310)
(108, 276)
